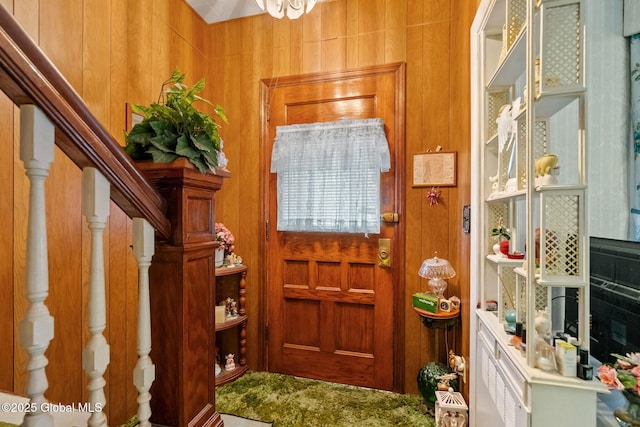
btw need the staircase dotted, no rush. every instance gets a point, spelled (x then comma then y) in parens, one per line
(52, 114)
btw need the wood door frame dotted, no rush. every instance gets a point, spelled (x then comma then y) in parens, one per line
(266, 85)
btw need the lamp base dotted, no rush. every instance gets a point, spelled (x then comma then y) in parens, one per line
(438, 286)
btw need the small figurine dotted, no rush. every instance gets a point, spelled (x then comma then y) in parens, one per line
(455, 302)
(233, 309)
(494, 183)
(547, 170)
(227, 304)
(457, 364)
(221, 157)
(230, 363)
(443, 384)
(233, 259)
(545, 354)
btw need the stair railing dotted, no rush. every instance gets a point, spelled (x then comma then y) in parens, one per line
(51, 112)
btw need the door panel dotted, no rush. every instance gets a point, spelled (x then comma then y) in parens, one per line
(330, 307)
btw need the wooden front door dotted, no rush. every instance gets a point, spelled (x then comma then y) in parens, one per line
(330, 308)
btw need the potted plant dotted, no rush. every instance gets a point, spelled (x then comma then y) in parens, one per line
(173, 127)
(226, 241)
(500, 232)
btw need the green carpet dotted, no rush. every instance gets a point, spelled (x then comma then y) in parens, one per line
(290, 401)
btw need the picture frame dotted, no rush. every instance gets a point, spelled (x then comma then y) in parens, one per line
(132, 118)
(435, 169)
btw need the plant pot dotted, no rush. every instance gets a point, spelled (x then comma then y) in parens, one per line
(629, 416)
(219, 257)
(496, 249)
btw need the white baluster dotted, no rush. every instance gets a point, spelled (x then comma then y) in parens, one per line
(95, 357)
(36, 329)
(145, 371)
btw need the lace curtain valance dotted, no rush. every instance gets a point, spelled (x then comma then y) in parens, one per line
(329, 175)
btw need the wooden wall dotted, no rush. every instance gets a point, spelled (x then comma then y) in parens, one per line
(112, 52)
(121, 51)
(432, 37)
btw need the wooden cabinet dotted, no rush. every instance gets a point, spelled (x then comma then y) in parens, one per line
(231, 335)
(528, 104)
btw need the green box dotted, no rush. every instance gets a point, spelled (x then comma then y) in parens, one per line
(425, 302)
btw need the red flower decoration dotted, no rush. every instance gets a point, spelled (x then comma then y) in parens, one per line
(433, 196)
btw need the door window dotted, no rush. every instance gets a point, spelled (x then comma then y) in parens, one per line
(329, 175)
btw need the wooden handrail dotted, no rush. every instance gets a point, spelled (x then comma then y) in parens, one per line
(27, 76)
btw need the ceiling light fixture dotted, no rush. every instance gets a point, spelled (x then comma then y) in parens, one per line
(292, 8)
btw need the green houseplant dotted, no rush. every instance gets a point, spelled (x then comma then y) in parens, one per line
(499, 233)
(173, 127)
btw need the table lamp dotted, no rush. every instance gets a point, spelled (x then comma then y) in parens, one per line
(437, 270)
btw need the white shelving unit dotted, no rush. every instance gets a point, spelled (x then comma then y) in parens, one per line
(529, 55)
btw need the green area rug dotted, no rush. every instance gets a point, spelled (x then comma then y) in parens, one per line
(292, 401)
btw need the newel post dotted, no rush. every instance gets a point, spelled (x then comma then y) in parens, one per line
(182, 296)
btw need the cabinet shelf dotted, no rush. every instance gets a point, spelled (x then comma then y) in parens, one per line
(511, 67)
(231, 335)
(552, 188)
(231, 323)
(547, 105)
(228, 376)
(531, 375)
(504, 196)
(500, 260)
(565, 282)
(227, 270)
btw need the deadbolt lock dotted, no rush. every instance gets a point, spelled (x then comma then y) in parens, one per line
(384, 253)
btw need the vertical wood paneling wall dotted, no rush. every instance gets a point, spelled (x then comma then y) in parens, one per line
(121, 51)
(432, 37)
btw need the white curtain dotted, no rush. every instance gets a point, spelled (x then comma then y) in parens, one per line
(329, 175)
(632, 29)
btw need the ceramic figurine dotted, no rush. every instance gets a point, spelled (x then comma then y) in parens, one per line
(494, 183)
(230, 363)
(457, 363)
(443, 383)
(233, 309)
(221, 157)
(227, 304)
(547, 170)
(545, 354)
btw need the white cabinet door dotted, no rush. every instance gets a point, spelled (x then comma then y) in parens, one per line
(498, 396)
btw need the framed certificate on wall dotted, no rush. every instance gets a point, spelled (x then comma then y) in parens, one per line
(434, 169)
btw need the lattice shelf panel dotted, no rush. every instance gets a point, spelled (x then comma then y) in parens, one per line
(496, 212)
(562, 251)
(508, 290)
(561, 56)
(516, 18)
